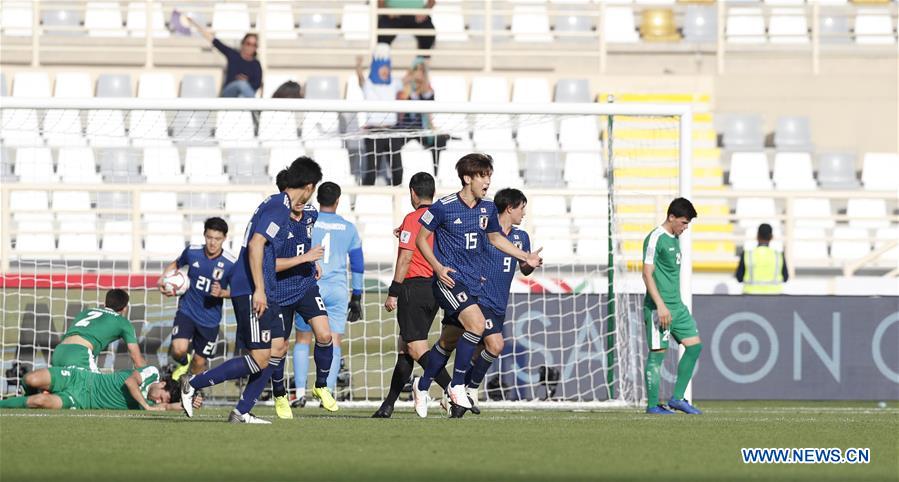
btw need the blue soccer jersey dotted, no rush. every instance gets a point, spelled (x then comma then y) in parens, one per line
(196, 303)
(341, 240)
(267, 220)
(294, 241)
(498, 270)
(460, 236)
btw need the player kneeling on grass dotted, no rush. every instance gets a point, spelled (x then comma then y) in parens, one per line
(200, 307)
(664, 313)
(82, 389)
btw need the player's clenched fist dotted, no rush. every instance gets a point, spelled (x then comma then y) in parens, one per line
(534, 260)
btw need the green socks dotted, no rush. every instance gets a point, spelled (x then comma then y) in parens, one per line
(685, 370)
(14, 402)
(653, 365)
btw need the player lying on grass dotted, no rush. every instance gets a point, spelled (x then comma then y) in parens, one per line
(497, 269)
(462, 224)
(200, 307)
(82, 389)
(93, 330)
(664, 313)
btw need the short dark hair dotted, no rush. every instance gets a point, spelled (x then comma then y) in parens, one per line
(288, 90)
(328, 194)
(474, 164)
(302, 172)
(765, 232)
(422, 184)
(682, 208)
(172, 386)
(281, 180)
(215, 224)
(508, 198)
(116, 299)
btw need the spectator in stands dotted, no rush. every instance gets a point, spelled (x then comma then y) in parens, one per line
(417, 86)
(762, 270)
(243, 75)
(425, 42)
(288, 90)
(380, 85)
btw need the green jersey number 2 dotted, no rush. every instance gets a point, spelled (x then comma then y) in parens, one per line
(91, 315)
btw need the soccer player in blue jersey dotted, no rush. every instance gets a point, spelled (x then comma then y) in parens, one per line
(340, 241)
(462, 224)
(252, 286)
(200, 308)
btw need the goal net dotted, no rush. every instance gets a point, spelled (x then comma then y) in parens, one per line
(103, 193)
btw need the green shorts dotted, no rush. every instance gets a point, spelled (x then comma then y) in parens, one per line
(72, 355)
(682, 326)
(72, 385)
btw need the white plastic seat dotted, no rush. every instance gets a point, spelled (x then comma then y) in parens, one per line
(150, 127)
(355, 22)
(584, 170)
(749, 171)
(230, 21)
(793, 171)
(77, 165)
(279, 22)
(278, 128)
(34, 164)
(318, 127)
(745, 26)
(579, 133)
(163, 240)
(620, 26)
(874, 26)
(788, 26)
(506, 170)
(63, 127)
(880, 171)
(106, 128)
(36, 237)
(883, 236)
(415, 159)
(76, 201)
(28, 201)
(159, 206)
(531, 90)
(103, 19)
(136, 22)
(235, 128)
(810, 245)
(530, 24)
(117, 239)
(593, 242)
(162, 165)
(446, 167)
(373, 204)
(21, 127)
(813, 213)
(335, 164)
(849, 243)
(491, 132)
(449, 23)
(450, 88)
(78, 239)
(584, 209)
(242, 203)
(281, 157)
(547, 206)
(379, 249)
(17, 19)
(753, 211)
(875, 209)
(203, 165)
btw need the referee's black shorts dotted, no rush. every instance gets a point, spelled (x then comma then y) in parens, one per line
(416, 309)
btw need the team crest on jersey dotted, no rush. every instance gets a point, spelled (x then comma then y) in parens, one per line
(217, 274)
(518, 244)
(308, 230)
(483, 210)
(482, 221)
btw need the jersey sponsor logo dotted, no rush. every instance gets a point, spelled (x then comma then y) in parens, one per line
(670, 249)
(405, 236)
(482, 221)
(196, 264)
(427, 217)
(217, 273)
(330, 226)
(457, 221)
(272, 229)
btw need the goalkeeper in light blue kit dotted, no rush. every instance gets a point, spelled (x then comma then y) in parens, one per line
(340, 241)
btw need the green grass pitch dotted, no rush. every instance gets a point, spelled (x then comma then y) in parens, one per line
(498, 445)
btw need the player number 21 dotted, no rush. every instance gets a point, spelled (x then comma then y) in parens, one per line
(471, 240)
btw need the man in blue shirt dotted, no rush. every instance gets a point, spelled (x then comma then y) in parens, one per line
(252, 286)
(340, 241)
(200, 307)
(462, 224)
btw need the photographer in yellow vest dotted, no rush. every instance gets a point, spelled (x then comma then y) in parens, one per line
(762, 270)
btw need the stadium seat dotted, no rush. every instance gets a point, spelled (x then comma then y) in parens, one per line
(28, 201)
(883, 236)
(280, 157)
(415, 159)
(700, 24)
(450, 88)
(78, 240)
(212, 201)
(63, 127)
(36, 238)
(355, 22)
(35, 164)
(235, 129)
(880, 171)
(793, 171)
(24, 124)
(103, 19)
(547, 206)
(530, 23)
(534, 134)
(619, 25)
(335, 164)
(573, 90)
(657, 25)
(505, 170)
(136, 22)
(114, 85)
(446, 167)
(813, 213)
(325, 87)
(564, 24)
(593, 243)
(489, 89)
(195, 127)
(17, 19)
(3, 90)
(530, 90)
(584, 170)
(579, 134)
(810, 246)
(373, 204)
(589, 209)
(278, 23)
(449, 23)
(7, 157)
(61, 22)
(163, 240)
(751, 212)
(117, 239)
(543, 169)
(874, 26)
(867, 213)
(743, 132)
(745, 25)
(198, 86)
(849, 243)
(834, 29)
(793, 133)
(242, 203)
(246, 166)
(114, 200)
(278, 128)
(162, 165)
(203, 165)
(76, 165)
(318, 25)
(150, 127)
(788, 26)
(837, 171)
(749, 171)
(230, 21)
(157, 205)
(120, 165)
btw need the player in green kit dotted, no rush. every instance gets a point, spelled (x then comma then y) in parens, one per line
(93, 330)
(664, 313)
(82, 389)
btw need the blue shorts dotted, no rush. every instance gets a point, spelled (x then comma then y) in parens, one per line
(202, 337)
(306, 308)
(493, 325)
(337, 301)
(453, 300)
(254, 333)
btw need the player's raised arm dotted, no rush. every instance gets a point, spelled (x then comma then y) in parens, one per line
(136, 357)
(501, 243)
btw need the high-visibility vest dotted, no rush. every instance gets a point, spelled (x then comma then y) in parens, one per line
(764, 271)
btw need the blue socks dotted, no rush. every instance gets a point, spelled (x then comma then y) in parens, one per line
(231, 369)
(279, 389)
(300, 367)
(254, 388)
(481, 365)
(437, 358)
(323, 355)
(466, 347)
(335, 369)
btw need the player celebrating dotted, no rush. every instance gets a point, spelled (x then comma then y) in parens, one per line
(411, 295)
(462, 223)
(663, 311)
(252, 285)
(81, 389)
(340, 240)
(200, 308)
(93, 330)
